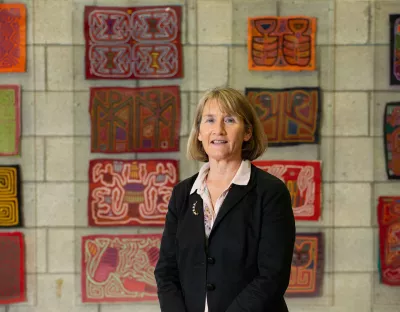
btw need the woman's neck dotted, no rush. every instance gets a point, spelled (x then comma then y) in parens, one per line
(223, 172)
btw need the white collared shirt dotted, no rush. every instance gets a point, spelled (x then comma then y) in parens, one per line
(242, 177)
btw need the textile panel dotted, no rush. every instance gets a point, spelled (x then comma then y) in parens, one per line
(130, 192)
(119, 268)
(289, 116)
(128, 120)
(133, 42)
(281, 43)
(303, 179)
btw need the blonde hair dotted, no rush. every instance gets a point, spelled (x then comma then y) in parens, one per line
(232, 102)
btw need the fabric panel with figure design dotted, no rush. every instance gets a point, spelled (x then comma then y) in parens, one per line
(303, 180)
(130, 192)
(119, 268)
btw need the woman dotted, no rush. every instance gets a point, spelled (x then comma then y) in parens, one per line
(229, 234)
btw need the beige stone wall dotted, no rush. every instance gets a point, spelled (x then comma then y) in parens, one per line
(353, 66)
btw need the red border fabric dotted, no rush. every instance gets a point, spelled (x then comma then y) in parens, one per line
(389, 239)
(12, 268)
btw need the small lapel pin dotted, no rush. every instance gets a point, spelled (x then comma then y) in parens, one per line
(195, 212)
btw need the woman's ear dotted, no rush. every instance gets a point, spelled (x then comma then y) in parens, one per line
(248, 133)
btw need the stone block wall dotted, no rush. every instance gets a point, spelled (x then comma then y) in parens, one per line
(352, 71)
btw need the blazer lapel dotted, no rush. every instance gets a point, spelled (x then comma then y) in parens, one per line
(236, 193)
(196, 216)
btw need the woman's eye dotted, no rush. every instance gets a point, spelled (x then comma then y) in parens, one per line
(230, 120)
(209, 120)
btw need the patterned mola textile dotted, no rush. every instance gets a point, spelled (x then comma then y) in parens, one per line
(133, 42)
(281, 43)
(389, 239)
(129, 120)
(130, 192)
(12, 37)
(394, 72)
(10, 196)
(119, 268)
(307, 270)
(289, 116)
(303, 179)
(391, 132)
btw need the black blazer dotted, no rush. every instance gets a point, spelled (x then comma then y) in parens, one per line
(245, 266)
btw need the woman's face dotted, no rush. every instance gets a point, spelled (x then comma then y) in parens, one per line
(221, 134)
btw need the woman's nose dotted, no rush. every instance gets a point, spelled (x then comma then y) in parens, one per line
(219, 127)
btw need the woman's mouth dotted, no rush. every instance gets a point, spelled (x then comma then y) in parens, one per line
(219, 142)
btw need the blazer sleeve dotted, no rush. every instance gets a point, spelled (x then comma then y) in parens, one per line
(275, 253)
(166, 271)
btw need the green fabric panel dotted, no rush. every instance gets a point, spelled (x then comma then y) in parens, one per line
(397, 41)
(8, 122)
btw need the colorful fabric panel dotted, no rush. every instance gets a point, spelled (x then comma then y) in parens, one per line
(128, 120)
(130, 192)
(389, 239)
(12, 268)
(303, 179)
(391, 132)
(133, 42)
(307, 270)
(394, 71)
(281, 43)
(10, 198)
(289, 116)
(119, 268)
(12, 38)
(10, 120)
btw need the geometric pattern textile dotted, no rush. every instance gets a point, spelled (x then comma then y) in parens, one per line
(303, 180)
(119, 268)
(10, 197)
(391, 132)
(10, 119)
(289, 116)
(12, 268)
(130, 192)
(129, 120)
(389, 239)
(281, 43)
(12, 38)
(133, 42)
(394, 71)
(307, 270)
